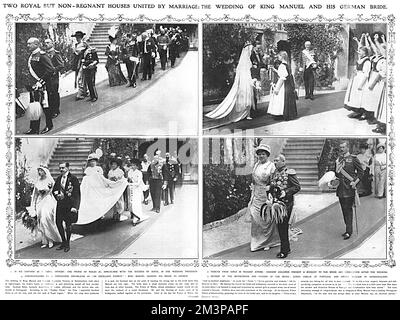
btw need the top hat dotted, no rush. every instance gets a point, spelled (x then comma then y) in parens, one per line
(263, 147)
(78, 34)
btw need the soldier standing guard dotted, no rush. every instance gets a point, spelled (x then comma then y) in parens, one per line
(349, 171)
(54, 84)
(286, 180)
(130, 53)
(170, 172)
(163, 42)
(89, 67)
(41, 69)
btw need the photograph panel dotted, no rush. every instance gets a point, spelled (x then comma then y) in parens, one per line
(92, 198)
(294, 198)
(295, 78)
(106, 78)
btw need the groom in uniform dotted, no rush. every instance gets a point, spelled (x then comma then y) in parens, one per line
(41, 70)
(349, 171)
(68, 195)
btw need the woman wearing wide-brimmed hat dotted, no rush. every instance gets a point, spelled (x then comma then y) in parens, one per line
(114, 174)
(113, 65)
(379, 170)
(79, 49)
(264, 231)
(98, 194)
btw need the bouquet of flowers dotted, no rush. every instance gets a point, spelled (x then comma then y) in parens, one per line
(29, 219)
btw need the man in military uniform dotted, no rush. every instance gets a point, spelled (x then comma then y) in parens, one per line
(53, 85)
(130, 53)
(147, 51)
(308, 65)
(173, 47)
(286, 180)
(156, 182)
(349, 171)
(257, 61)
(41, 70)
(170, 172)
(163, 43)
(89, 66)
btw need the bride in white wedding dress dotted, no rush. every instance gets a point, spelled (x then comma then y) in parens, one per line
(240, 99)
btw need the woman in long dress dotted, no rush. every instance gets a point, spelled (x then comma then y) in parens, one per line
(264, 231)
(98, 194)
(45, 207)
(114, 174)
(357, 84)
(379, 169)
(135, 193)
(240, 99)
(113, 66)
(374, 91)
(283, 95)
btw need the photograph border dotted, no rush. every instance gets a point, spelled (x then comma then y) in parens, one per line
(10, 21)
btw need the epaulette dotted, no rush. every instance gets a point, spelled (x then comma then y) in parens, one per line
(42, 52)
(291, 171)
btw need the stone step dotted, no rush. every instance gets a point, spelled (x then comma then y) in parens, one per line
(310, 190)
(313, 177)
(301, 148)
(289, 153)
(79, 143)
(302, 157)
(308, 183)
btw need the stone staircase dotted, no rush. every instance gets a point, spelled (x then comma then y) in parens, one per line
(302, 154)
(99, 39)
(72, 150)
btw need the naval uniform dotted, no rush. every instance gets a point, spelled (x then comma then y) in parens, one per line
(53, 85)
(170, 172)
(147, 50)
(41, 69)
(90, 61)
(287, 181)
(345, 192)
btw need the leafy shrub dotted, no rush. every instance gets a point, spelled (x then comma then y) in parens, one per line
(224, 193)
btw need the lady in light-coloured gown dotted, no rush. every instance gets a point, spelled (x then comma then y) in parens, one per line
(45, 207)
(114, 174)
(240, 99)
(379, 170)
(135, 193)
(264, 231)
(98, 194)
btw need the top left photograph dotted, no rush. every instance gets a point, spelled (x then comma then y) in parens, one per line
(106, 79)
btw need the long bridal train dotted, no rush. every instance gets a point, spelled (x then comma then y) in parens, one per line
(240, 99)
(98, 195)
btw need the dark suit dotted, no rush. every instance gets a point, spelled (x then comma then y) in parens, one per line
(42, 71)
(287, 181)
(155, 182)
(345, 191)
(170, 172)
(71, 199)
(53, 85)
(147, 48)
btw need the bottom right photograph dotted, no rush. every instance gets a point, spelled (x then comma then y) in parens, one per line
(294, 198)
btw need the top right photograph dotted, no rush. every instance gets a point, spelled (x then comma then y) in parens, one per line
(295, 79)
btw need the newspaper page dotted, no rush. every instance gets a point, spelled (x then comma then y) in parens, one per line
(199, 150)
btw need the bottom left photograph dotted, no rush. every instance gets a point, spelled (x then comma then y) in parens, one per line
(98, 198)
